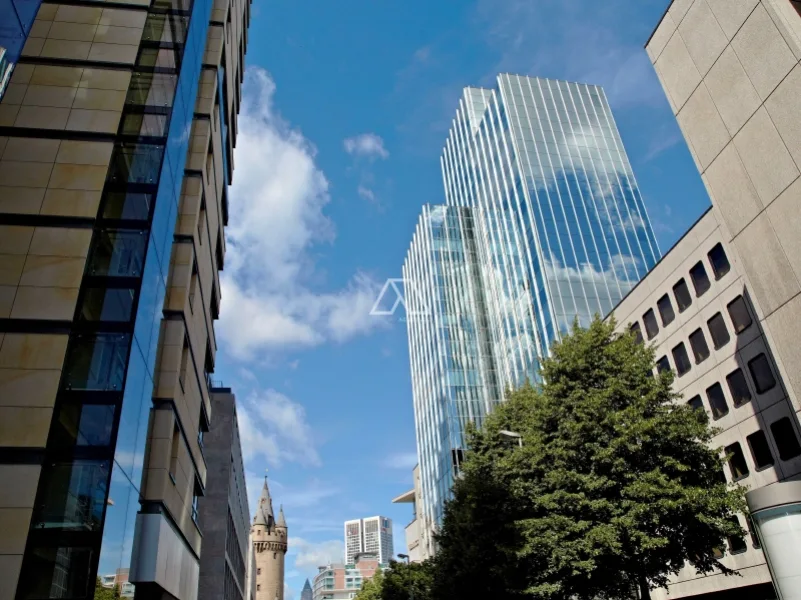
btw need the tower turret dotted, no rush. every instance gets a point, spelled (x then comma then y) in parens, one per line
(269, 537)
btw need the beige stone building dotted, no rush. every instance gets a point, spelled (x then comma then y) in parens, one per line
(116, 136)
(268, 535)
(724, 305)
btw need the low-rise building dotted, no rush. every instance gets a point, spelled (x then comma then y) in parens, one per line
(343, 581)
(696, 308)
(416, 546)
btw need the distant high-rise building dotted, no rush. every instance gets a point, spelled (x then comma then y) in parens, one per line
(223, 512)
(307, 593)
(372, 535)
(543, 224)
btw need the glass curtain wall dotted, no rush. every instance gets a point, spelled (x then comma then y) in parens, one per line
(562, 227)
(454, 379)
(88, 496)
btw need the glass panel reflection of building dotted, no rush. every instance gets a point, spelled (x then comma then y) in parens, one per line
(560, 232)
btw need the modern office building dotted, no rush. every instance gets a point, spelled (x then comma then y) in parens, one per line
(223, 513)
(371, 535)
(731, 73)
(307, 593)
(416, 550)
(544, 223)
(343, 581)
(116, 133)
(118, 581)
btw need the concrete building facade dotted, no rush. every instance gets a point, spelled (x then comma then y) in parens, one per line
(417, 550)
(268, 535)
(371, 535)
(731, 73)
(223, 513)
(343, 581)
(117, 128)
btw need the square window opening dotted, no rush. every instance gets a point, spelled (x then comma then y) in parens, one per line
(718, 331)
(682, 294)
(761, 373)
(737, 462)
(740, 315)
(786, 440)
(666, 311)
(760, 449)
(699, 346)
(700, 279)
(719, 261)
(717, 401)
(681, 359)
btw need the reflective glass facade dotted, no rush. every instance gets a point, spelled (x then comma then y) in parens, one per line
(544, 223)
(16, 20)
(112, 206)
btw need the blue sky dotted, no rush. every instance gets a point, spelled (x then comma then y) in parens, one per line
(346, 106)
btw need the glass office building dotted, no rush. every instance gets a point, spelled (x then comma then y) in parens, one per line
(551, 228)
(116, 132)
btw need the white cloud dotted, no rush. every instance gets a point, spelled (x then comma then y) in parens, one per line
(274, 430)
(401, 460)
(310, 555)
(367, 194)
(277, 219)
(368, 145)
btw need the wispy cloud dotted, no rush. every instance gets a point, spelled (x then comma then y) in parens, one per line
(369, 145)
(277, 205)
(402, 460)
(273, 429)
(310, 555)
(661, 143)
(366, 193)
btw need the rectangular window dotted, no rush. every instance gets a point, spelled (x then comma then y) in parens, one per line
(74, 496)
(699, 346)
(736, 543)
(682, 294)
(57, 572)
(135, 164)
(761, 373)
(681, 359)
(785, 438)
(145, 124)
(738, 387)
(696, 402)
(127, 205)
(740, 316)
(151, 89)
(737, 463)
(665, 310)
(663, 364)
(96, 362)
(113, 305)
(719, 261)
(700, 279)
(175, 447)
(717, 401)
(651, 326)
(83, 425)
(635, 330)
(117, 253)
(760, 449)
(718, 331)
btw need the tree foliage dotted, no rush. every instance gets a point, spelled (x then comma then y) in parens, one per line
(614, 488)
(106, 593)
(400, 581)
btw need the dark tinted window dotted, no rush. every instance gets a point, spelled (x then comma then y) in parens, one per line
(107, 304)
(651, 326)
(65, 569)
(681, 359)
(696, 403)
(663, 364)
(785, 438)
(666, 310)
(736, 542)
(737, 464)
(719, 261)
(761, 374)
(718, 331)
(634, 329)
(738, 387)
(699, 346)
(760, 449)
(739, 314)
(682, 294)
(83, 425)
(74, 496)
(700, 279)
(717, 401)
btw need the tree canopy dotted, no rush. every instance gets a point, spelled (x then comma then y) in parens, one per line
(615, 486)
(400, 581)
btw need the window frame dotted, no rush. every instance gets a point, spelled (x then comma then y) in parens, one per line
(718, 317)
(699, 283)
(681, 284)
(724, 269)
(755, 379)
(698, 353)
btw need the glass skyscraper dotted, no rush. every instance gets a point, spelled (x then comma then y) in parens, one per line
(543, 224)
(118, 124)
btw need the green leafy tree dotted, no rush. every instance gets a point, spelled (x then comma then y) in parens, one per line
(614, 488)
(403, 581)
(106, 593)
(372, 588)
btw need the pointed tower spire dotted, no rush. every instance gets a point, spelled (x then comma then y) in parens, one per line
(281, 522)
(264, 512)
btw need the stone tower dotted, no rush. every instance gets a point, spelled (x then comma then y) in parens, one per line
(269, 536)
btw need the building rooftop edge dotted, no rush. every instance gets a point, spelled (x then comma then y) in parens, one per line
(662, 18)
(668, 251)
(404, 497)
